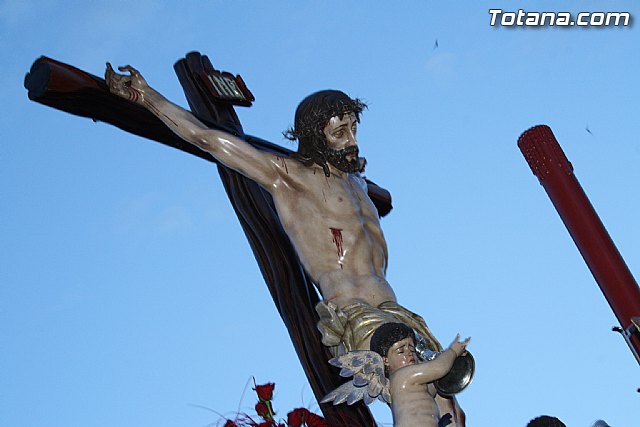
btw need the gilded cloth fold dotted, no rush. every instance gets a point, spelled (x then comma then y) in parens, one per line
(350, 327)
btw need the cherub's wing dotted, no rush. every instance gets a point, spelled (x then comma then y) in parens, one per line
(368, 383)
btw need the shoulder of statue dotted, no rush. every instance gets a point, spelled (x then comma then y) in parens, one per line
(296, 174)
(407, 374)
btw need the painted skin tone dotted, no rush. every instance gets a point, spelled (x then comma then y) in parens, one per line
(414, 397)
(340, 241)
(331, 221)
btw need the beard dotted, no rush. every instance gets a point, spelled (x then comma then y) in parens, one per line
(338, 158)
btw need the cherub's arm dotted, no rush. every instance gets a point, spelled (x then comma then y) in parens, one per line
(228, 149)
(432, 370)
(450, 405)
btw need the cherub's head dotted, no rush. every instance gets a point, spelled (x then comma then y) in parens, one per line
(395, 342)
(314, 125)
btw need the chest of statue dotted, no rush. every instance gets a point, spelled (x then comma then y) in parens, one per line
(314, 201)
(344, 196)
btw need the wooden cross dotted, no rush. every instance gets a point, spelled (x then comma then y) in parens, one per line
(211, 95)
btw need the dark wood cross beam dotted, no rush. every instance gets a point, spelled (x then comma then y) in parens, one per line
(69, 89)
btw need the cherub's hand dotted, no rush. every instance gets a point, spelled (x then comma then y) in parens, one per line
(132, 86)
(459, 346)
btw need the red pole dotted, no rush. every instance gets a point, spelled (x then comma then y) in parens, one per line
(555, 173)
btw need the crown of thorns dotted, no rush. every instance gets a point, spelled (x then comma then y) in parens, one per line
(313, 121)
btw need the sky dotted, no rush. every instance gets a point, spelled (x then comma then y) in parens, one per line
(130, 297)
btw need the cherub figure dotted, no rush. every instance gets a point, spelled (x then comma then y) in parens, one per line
(392, 372)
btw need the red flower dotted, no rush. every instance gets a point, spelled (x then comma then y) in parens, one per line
(296, 417)
(262, 409)
(315, 420)
(303, 417)
(265, 391)
(300, 417)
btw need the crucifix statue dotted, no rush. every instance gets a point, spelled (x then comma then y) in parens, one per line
(310, 216)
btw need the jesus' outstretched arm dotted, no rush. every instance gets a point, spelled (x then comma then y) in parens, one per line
(231, 151)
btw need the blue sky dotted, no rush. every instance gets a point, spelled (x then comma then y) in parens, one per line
(129, 295)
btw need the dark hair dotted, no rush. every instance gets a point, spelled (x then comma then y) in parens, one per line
(387, 335)
(546, 421)
(312, 115)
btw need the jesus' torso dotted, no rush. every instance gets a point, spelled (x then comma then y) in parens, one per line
(335, 230)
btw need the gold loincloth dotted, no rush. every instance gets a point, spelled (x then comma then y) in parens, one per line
(350, 328)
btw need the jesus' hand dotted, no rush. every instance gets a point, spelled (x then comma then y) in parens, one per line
(130, 86)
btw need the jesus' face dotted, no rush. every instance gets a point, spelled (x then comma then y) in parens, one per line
(342, 146)
(401, 354)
